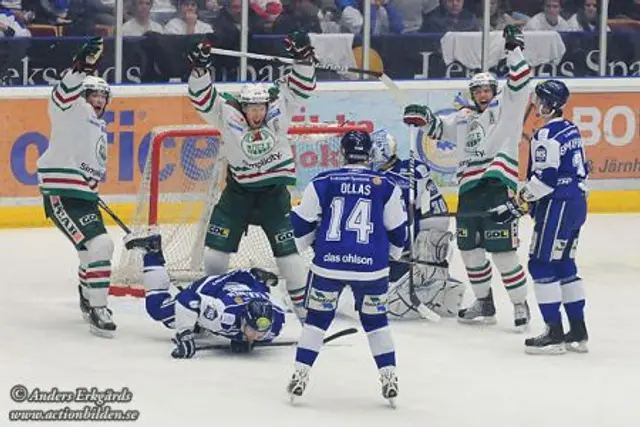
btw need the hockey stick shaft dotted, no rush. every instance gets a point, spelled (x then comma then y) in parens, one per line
(114, 216)
(334, 336)
(291, 61)
(472, 214)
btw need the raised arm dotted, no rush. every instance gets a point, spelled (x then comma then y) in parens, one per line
(301, 81)
(202, 93)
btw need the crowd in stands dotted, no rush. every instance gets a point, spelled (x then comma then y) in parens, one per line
(97, 17)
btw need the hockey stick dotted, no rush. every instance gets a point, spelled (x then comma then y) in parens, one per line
(339, 334)
(113, 215)
(472, 214)
(291, 61)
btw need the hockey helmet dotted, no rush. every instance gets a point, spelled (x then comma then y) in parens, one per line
(482, 80)
(258, 315)
(552, 95)
(94, 83)
(254, 93)
(356, 146)
(384, 150)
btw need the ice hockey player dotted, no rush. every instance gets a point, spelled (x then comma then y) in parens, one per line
(254, 129)
(555, 191)
(69, 172)
(432, 285)
(235, 305)
(487, 139)
(354, 219)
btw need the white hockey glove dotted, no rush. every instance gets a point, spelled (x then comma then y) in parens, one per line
(185, 345)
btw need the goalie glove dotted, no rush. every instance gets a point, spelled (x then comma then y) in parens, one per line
(513, 37)
(417, 115)
(509, 211)
(298, 45)
(200, 56)
(86, 60)
(185, 345)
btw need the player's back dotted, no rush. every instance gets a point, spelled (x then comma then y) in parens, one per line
(559, 144)
(359, 209)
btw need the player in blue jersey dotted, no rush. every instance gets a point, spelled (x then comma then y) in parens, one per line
(235, 305)
(432, 285)
(556, 193)
(354, 219)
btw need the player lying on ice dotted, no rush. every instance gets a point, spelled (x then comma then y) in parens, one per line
(236, 305)
(432, 285)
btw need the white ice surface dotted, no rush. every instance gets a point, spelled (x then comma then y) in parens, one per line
(450, 374)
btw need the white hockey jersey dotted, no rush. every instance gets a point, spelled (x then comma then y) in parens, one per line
(76, 158)
(257, 157)
(487, 142)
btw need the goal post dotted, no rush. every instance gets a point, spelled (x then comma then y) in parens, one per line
(183, 177)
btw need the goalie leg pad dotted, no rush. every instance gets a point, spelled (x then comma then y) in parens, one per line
(98, 270)
(433, 246)
(399, 300)
(443, 297)
(215, 261)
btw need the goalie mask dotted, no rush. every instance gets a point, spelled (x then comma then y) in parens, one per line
(383, 153)
(254, 99)
(97, 93)
(483, 87)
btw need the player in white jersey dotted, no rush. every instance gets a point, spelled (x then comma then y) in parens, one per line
(556, 192)
(254, 130)
(69, 172)
(487, 136)
(354, 219)
(432, 285)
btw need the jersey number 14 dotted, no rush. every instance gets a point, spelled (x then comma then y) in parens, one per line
(358, 221)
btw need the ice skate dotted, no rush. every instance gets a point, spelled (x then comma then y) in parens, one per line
(100, 322)
(389, 382)
(481, 311)
(85, 308)
(521, 316)
(552, 341)
(298, 381)
(577, 337)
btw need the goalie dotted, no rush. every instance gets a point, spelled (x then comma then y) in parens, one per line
(236, 305)
(432, 285)
(254, 129)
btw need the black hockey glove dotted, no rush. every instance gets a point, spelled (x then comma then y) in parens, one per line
(241, 346)
(185, 345)
(508, 212)
(513, 37)
(200, 56)
(298, 45)
(88, 56)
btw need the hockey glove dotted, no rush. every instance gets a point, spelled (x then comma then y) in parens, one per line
(417, 115)
(241, 346)
(200, 57)
(513, 37)
(185, 345)
(298, 45)
(508, 212)
(87, 58)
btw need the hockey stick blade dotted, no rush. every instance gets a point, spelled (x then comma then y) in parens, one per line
(334, 336)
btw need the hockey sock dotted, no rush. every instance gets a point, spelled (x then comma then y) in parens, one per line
(83, 255)
(515, 282)
(292, 269)
(549, 296)
(310, 343)
(380, 341)
(98, 275)
(480, 279)
(573, 297)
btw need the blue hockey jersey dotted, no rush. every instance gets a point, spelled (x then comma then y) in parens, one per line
(216, 303)
(354, 218)
(557, 163)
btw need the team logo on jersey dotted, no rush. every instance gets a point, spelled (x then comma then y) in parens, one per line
(101, 151)
(376, 180)
(238, 300)
(540, 155)
(210, 313)
(257, 143)
(475, 135)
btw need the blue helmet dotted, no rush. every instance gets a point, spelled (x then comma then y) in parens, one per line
(552, 94)
(258, 314)
(356, 146)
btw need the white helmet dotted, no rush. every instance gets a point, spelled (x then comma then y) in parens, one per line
(384, 148)
(254, 93)
(482, 80)
(94, 83)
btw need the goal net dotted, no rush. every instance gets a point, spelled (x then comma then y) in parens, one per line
(182, 180)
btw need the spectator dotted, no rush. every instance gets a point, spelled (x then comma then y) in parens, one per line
(329, 20)
(586, 19)
(626, 9)
(10, 26)
(84, 15)
(141, 22)
(297, 15)
(385, 17)
(48, 12)
(187, 21)
(228, 22)
(499, 17)
(549, 19)
(413, 12)
(450, 16)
